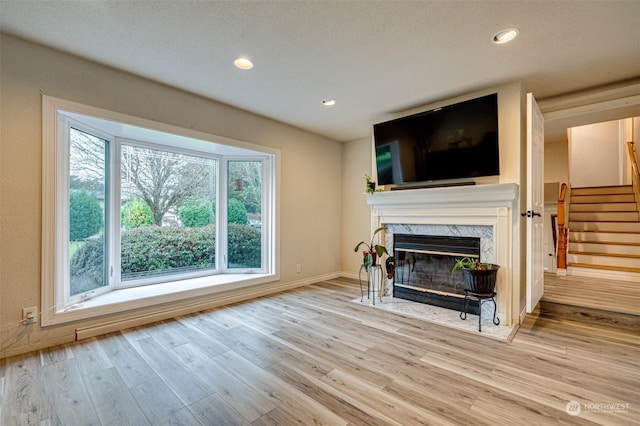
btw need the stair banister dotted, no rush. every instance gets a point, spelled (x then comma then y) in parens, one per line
(635, 172)
(562, 229)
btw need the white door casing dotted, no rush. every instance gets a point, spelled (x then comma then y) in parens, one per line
(535, 204)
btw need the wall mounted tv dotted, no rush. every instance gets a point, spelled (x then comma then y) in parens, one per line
(453, 142)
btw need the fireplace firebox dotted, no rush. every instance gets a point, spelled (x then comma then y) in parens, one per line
(423, 269)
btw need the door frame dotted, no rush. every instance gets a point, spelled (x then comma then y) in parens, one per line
(534, 216)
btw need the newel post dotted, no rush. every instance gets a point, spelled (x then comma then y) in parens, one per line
(562, 230)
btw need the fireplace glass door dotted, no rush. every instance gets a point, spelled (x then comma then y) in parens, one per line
(424, 264)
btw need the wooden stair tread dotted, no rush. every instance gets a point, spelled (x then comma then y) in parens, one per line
(602, 221)
(611, 209)
(591, 253)
(615, 189)
(615, 243)
(602, 202)
(604, 232)
(606, 267)
(608, 213)
(602, 186)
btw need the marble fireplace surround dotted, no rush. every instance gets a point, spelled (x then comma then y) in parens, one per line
(483, 211)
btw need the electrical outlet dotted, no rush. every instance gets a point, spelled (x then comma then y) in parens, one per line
(298, 268)
(29, 315)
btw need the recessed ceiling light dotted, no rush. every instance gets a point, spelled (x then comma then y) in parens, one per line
(328, 102)
(505, 36)
(243, 63)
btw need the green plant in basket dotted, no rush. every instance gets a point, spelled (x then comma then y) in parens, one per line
(473, 264)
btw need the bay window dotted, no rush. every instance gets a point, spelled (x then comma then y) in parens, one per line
(129, 206)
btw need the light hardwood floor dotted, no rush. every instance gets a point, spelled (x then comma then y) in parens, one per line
(310, 356)
(610, 295)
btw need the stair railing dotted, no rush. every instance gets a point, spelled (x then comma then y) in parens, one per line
(562, 229)
(635, 172)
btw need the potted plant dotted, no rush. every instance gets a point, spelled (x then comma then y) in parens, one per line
(370, 184)
(479, 278)
(372, 252)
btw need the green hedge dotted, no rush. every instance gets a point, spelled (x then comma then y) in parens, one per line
(85, 215)
(158, 248)
(87, 266)
(155, 249)
(244, 246)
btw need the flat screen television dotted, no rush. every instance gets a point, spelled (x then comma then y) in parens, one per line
(454, 142)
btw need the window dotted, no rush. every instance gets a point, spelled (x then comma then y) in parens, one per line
(135, 215)
(87, 195)
(244, 195)
(167, 210)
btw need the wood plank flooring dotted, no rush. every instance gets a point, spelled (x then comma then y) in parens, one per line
(609, 295)
(310, 356)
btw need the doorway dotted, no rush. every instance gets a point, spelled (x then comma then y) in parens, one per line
(562, 113)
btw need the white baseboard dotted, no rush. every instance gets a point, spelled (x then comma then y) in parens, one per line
(351, 275)
(523, 315)
(561, 272)
(41, 343)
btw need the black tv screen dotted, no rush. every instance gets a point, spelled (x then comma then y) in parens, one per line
(453, 142)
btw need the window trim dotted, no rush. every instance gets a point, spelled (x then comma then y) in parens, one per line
(175, 291)
(62, 246)
(266, 209)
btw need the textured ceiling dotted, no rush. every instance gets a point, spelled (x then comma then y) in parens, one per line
(373, 57)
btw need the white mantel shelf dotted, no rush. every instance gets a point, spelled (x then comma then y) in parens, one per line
(446, 208)
(495, 195)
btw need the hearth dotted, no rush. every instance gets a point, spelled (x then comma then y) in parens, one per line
(423, 269)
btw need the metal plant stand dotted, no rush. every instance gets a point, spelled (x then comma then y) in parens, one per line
(480, 297)
(373, 274)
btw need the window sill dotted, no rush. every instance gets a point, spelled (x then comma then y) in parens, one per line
(136, 298)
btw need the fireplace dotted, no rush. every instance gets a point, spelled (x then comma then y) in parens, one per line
(423, 269)
(489, 212)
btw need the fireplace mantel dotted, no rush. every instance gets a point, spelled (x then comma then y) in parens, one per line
(454, 209)
(461, 197)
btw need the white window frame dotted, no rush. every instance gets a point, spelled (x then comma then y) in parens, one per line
(56, 308)
(62, 244)
(265, 211)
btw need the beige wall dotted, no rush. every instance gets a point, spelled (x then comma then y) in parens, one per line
(356, 222)
(310, 188)
(556, 154)
(594, 155)
(556, 162)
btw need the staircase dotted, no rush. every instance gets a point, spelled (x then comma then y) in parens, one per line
(604, 233)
